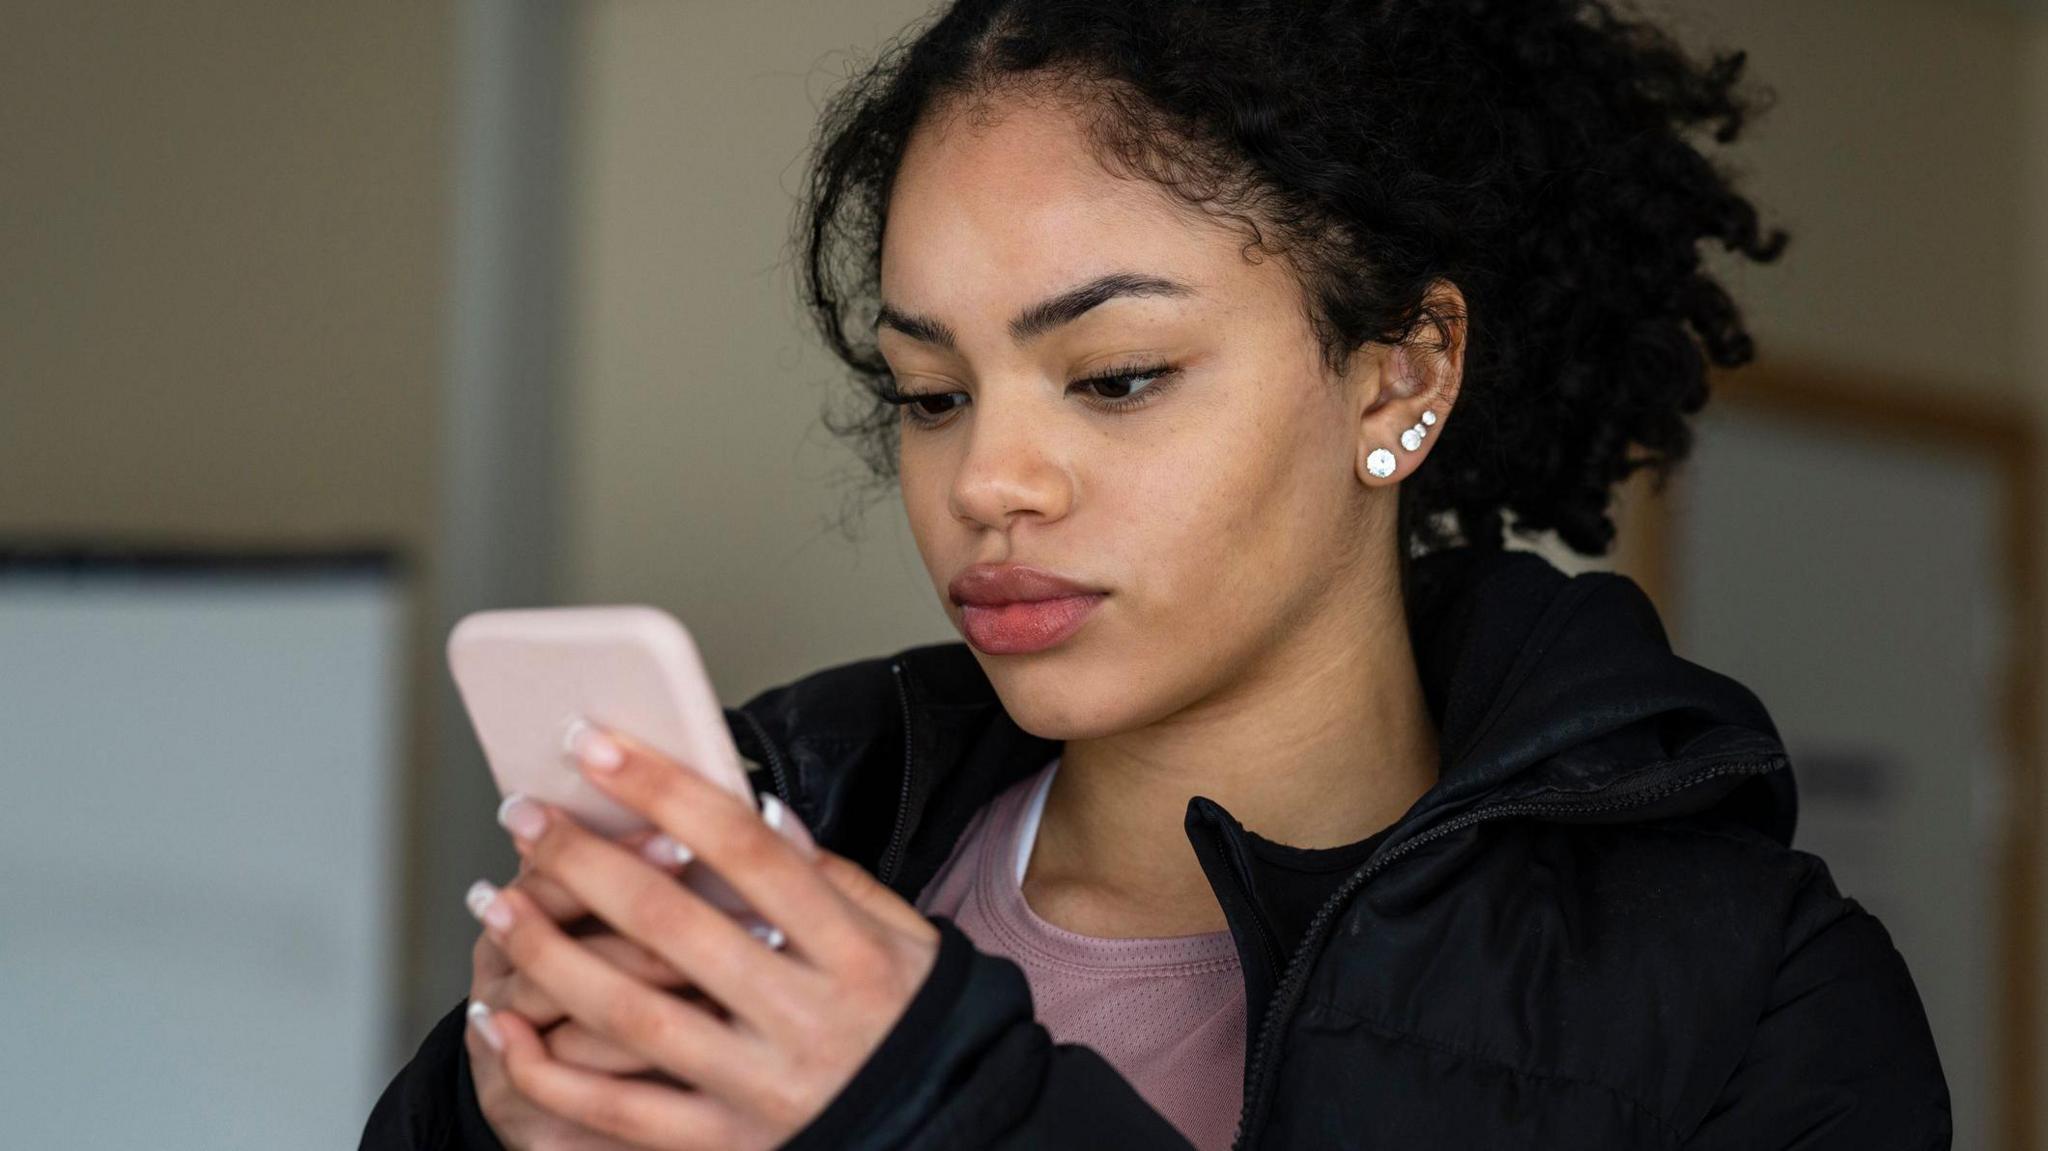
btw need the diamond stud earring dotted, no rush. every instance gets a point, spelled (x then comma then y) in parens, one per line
(1381, 461)
(1412, 438)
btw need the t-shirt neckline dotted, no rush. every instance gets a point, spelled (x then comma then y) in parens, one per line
(1006, 857)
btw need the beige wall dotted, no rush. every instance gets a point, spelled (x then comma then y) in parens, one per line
(700, 478)
(221, 229)
(2033, 296)
(1895, 156)
(2033, 322)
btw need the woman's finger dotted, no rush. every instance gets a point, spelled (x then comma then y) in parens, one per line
(531, 1000)
(773, 874)
(579, 1046)
(702, 942)
(658, 1116)
(634, 959)
(559, 902)
(574, 1044)
(668, 1031)
(487, 963)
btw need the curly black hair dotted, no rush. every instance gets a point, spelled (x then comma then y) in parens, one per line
(1538, 154)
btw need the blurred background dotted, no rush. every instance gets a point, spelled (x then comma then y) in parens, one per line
(324, 324)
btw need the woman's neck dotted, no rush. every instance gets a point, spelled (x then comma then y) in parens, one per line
(1317, 748)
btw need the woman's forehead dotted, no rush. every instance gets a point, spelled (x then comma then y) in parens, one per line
(989, 217)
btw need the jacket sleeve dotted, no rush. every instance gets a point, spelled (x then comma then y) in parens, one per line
(968, 1066)
(431, 1104)
(1842, 1057)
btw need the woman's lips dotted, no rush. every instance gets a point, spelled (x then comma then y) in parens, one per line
(1010, 608)
(1026, 625)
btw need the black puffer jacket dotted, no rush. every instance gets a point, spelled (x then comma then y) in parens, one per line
(1591, 933)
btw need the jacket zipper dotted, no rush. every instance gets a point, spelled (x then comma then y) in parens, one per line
(886, 872)
(1286, 996)
(775, 772)
(1268, 938)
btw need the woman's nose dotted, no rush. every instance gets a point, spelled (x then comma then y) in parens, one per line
(1010, 469)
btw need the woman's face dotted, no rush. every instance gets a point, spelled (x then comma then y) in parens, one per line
(1218, 507)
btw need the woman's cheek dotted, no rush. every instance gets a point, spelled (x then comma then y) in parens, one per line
(941, 542)
(1176, 564)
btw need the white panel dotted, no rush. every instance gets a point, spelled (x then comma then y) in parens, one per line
(196, 858)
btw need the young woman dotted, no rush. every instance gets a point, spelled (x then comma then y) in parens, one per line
(1271, 801)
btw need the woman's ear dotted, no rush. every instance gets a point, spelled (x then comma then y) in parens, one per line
(1417, 386)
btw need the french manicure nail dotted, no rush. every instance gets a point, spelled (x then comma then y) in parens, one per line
(663, 851)
(484, 903)
(596, 749)
(480, 1018)
(522, 816)
(571, 732)
(777, 815)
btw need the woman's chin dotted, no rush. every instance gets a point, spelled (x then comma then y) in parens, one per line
(1061, 697)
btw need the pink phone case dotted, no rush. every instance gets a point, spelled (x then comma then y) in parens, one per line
(526, 676)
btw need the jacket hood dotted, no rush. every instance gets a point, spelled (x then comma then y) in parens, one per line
(1557, 694)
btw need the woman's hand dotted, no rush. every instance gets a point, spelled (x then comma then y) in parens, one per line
(498, 984)
(519, 1124)
(788, 1028)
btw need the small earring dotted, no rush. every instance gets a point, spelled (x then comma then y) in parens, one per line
(1412, 438)
(1380, 463)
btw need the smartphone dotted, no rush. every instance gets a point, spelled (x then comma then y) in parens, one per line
(529, 676)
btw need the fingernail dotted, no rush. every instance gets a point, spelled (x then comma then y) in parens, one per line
(480, 1018)
(522, 817)
(571, 732)
(484, 903)
(664, 851)
(776, 814)
(594, 748)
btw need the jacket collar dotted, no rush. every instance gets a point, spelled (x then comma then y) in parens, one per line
(1554, 695)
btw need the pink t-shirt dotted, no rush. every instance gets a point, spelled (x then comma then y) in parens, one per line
(1168, 1012)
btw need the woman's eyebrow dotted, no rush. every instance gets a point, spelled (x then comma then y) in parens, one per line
(1043, 316)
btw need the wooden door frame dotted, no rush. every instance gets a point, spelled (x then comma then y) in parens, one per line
(2004, 434)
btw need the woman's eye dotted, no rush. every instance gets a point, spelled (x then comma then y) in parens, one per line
(1125, 386)
(936, 405)
(1120, 389)
(926, 407)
